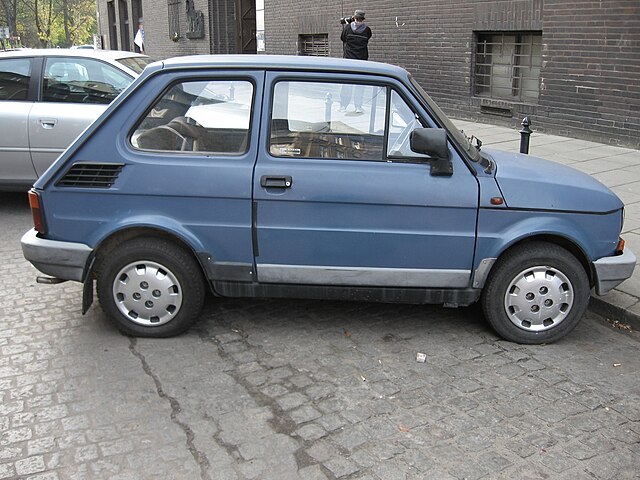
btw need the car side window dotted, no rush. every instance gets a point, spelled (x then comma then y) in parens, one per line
(402, 121)
(199, 116)
(328, 120)
(82, 80)
(15, 74)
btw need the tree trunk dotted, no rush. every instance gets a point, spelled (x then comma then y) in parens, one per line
(65, 12)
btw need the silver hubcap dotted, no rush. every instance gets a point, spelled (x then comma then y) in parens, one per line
(538, 298)
(147, 293)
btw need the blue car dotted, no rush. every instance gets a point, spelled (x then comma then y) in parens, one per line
(275, 176)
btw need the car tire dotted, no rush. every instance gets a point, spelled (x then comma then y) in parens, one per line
(150, 287)
(536, 293)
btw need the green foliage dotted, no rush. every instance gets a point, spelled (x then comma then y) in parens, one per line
(53, 23)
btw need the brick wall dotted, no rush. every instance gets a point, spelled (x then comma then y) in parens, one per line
(590, 77)
(592, 68)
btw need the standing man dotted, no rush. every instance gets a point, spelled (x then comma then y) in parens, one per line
(355, 37)
(355, 41)
(138, 41)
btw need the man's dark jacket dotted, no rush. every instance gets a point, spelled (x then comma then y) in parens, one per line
(355, 41)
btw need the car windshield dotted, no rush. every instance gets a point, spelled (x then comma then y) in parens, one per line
(460, 137)
(136, 64)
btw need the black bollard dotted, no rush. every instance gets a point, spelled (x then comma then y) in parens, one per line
(525, 133)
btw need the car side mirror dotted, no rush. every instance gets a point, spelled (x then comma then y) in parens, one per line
(433, 142)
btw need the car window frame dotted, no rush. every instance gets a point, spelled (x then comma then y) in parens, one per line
(390, 84)
(236, 76)
(319, 77)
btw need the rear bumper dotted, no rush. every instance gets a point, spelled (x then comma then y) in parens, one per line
(63, 260)
(611, 271)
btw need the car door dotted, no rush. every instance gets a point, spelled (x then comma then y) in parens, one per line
(341, 200)
(191, 159)
(16, 101)
(75, 91)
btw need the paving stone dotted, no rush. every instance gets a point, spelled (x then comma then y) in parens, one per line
(313, 472)
(350, 439)
(311, 432)
(341, 467)
(291, 401)
(30, 465)
(304, 414)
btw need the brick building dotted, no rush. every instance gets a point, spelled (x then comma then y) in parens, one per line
(179, 27)
(572, 66)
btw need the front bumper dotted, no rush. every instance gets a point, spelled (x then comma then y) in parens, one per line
(611, 271)
(63, 260)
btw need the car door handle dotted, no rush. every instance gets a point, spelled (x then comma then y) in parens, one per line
(276, 181)
(48, 123)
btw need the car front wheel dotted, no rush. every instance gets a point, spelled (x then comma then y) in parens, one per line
(150, 288)
(536, 293)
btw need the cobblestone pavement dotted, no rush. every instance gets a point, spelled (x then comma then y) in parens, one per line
(303, 389)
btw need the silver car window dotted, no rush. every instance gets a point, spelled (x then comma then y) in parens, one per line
(82, 80)
(15, 74)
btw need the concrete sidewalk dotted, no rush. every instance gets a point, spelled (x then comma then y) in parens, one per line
(616, 167)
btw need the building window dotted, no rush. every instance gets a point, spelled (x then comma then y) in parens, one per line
(174, 19)
(113, 26)
(507, 66)
(314, 45)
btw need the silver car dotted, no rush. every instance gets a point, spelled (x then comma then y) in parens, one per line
(48, 97)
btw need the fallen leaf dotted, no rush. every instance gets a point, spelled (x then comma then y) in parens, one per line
(404, 429)
(620, 325)
(347, 333)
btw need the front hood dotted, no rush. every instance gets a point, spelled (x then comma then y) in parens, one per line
(534, 183)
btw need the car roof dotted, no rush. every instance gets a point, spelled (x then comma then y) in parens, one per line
(68, 52)
(285, 62)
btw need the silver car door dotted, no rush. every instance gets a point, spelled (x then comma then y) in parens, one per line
(75, 91)
(53, 127)
(15, 162)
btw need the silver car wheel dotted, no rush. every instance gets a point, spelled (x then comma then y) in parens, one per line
(538, 298)
(147, 293)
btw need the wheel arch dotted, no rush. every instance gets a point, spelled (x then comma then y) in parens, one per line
(118, 237)
(564, 242)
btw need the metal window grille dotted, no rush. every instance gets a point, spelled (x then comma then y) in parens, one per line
(314, 45)
(174, 18)
(507, 66)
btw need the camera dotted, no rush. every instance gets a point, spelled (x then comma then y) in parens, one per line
(346, 20)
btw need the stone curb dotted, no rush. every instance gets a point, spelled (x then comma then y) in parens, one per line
(614, 312)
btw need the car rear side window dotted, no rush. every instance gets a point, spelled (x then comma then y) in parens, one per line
(328, 120)
(82, 80)
(210, 116)
(15, 74)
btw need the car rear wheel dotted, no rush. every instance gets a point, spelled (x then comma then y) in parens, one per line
(536, 293)
(150, 288)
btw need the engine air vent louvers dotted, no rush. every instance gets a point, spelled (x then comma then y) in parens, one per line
(91, 175)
